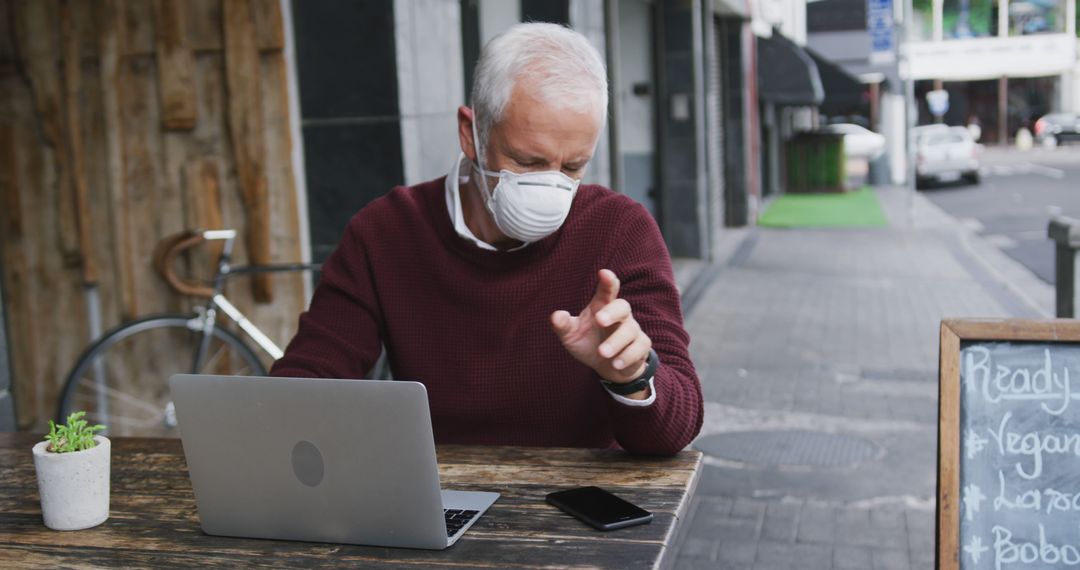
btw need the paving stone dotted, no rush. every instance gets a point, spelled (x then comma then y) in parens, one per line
(888, 519)
(692, 564)
(724, 529)
(793, 555)
(890, 560)
(817, 524)
(713, 507)
(923, 560)
(747, 508)
(781, 522)
(851, 558)
(698, 548)
(736, 552)
(853, 527)
(920, 521)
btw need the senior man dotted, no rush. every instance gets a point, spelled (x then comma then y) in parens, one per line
(536, 310)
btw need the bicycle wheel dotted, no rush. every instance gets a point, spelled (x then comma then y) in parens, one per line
(121, 381)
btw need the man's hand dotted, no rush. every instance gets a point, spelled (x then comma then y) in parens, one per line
(605, 336)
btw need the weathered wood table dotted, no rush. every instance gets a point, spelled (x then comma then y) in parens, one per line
(154, 523)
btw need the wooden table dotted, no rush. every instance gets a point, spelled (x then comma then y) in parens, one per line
(154, 522)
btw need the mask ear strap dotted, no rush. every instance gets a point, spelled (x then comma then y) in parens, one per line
(478, 165)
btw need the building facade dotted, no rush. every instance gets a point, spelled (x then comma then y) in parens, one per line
(380, 82)
(1004, 63)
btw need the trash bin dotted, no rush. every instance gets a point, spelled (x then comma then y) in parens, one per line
(816, 163)
(880, 173)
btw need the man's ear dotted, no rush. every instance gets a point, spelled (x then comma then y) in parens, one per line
(465, 117)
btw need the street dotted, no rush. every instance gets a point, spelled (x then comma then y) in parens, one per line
(1013, 204)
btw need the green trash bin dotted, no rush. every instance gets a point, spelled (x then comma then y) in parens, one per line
(815, 163)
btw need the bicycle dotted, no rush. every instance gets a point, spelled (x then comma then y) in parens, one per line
(112, 387)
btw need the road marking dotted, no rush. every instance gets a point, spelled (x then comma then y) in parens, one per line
(1054, 173)
(1001, 241)
(1024, 168)
(972, 224)
(1030, 235)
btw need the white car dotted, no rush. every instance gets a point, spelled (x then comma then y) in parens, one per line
(946, 154)
(859, 142)
(924, 130)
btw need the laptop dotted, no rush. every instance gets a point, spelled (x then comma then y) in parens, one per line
(341, 461)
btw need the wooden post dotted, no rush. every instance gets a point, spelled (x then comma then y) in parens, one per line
(16, 272)
(37, 43)
(948, 485)
(246, 131)
(203, 192)
(110, 47)
(72, 65)
(175, 66)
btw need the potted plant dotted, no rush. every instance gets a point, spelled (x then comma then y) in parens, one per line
(72, 467)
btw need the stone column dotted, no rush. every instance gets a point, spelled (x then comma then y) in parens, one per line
(683, 204)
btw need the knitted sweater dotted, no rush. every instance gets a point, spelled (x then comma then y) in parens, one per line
(474, 325)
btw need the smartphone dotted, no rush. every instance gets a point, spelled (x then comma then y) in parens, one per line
(599, 508)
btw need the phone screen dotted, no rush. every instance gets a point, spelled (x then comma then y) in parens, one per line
(599, 508)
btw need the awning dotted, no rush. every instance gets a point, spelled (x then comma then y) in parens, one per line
(731, 8)
(843, 91)
(787, 75)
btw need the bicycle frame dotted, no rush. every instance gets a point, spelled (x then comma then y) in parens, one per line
(207, 320)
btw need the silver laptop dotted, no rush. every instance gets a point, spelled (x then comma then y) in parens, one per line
(344, 461)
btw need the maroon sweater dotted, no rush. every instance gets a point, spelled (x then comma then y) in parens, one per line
(474, 325)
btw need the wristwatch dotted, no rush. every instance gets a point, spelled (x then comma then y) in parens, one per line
(638, 384)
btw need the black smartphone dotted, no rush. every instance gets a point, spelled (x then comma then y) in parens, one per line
(599, 508)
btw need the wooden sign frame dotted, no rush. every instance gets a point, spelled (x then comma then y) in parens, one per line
(953, 333)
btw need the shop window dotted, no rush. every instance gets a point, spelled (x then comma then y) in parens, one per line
(963, 19)
(1028, 17)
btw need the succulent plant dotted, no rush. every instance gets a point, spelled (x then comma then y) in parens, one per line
(77, 435)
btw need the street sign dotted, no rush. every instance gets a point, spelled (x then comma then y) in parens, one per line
(879, 23)
(938, 101)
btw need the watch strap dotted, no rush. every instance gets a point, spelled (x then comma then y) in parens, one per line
(638, 384)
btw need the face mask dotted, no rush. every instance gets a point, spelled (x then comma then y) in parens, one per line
(527, 206)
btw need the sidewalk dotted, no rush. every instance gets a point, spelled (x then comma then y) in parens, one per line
(817, 352)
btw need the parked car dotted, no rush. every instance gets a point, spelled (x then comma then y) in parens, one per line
(946, 155)
(924, 130)
(1054, 128)
(859, 142)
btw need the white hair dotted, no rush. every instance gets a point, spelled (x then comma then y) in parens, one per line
(562, 66)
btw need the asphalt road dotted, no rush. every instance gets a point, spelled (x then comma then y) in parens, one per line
(1012, 206)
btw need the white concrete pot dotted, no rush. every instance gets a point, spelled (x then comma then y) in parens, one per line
(74, 487)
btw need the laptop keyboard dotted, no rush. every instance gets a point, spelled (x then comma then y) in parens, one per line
(455, 519)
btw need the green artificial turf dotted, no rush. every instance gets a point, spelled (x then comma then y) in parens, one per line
(848, 209)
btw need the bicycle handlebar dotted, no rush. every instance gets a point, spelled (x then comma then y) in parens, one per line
(172, 246)
(165, 257)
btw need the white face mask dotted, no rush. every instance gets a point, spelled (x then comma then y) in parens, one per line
(527, 206)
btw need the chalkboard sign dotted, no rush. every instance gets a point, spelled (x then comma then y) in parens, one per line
(1009, 445)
